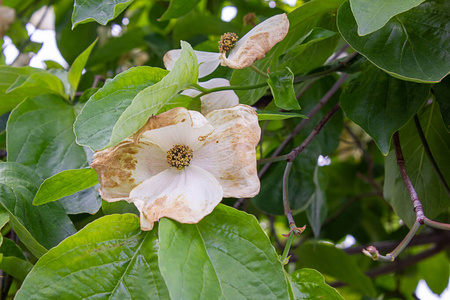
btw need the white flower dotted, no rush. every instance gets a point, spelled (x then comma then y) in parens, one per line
(252, 47)
(181, 164)
(216, 100)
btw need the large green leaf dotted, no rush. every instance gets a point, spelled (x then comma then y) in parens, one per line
(149, 101)
(101, 11)
(8, 75)
(110, 102)
(111, 258)
(76, 69)
(12, 260)
(178, 8)
(40, 135)
(329, 260)
(441, 91)
(225, 256)
(412, 46)
(37, 227)
(424, 179)
(316, 13)
(310, 284)
(64, 184)
(382, 104)
(372, 15)
(437, 280)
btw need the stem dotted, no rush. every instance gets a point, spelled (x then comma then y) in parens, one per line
(287, 208)
(287, 248)
(418, 209)
(373, 252)
(435, 224)
(272, 159)
(303, 123)
(295, 152)
(426, 147)
(263, 74)
(227, 88)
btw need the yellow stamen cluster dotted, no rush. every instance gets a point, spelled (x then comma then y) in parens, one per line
(180, 156)
(227, 42)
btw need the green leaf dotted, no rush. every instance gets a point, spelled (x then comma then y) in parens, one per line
(8, 75)
(414, 44)
(315, 13)
(110, 102)
(119, 207)
(310, 284)
(317, 209)
(75, 70)
(329, 260)
(424, 179)
(264, 115)
(40, 135)
(382, 104)
(437, 280)
(36, 84)
(10, 248)
(226, 255)
(441, 91)
(111, 256)
(149, 101)
(64, 184)
(372, 15)
(281, 84)
(100, 11)
(37, 227)
(178, 8)
(16, 267)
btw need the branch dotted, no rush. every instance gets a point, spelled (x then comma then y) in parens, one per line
(303, 123)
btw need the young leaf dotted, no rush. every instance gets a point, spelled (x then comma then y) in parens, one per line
(227, 255)
(372, 15)
(36, 84)
(281, 84)
(431, 193)
(264, 115)
(310, 284)
(317, 209)
(149, 101)
(410, 52)
(75, 70)
(12, 260)
(109, 258)
(110, 102)
(101, 11)
(47, 224)
(382, 104)
(64, 184)
(178, 8)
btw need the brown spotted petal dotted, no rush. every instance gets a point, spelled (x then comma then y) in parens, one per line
(257, 42)
(185, 196)
(121, 168)
(229, 153)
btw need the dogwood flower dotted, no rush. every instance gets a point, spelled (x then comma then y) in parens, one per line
(216, 100)
(181, 164)
(252, 47)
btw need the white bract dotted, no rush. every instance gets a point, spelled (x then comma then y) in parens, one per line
(250, 48)
(181, 164)
(216, 100)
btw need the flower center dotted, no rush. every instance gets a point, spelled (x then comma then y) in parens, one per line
(180, 156)
(227, 42)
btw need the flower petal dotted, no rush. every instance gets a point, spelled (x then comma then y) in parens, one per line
(209, 61)
(216, 100)
(176, 126)
(185, 196)
(229, 153)
(257, 42)
(121, 168)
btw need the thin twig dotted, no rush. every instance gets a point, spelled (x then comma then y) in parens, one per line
(426, 147)
(303, 123)
(296, 151)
